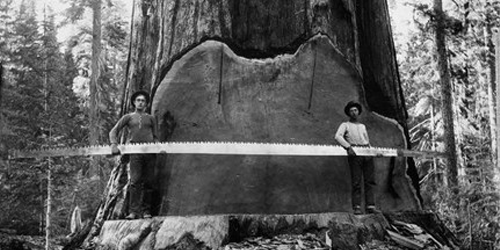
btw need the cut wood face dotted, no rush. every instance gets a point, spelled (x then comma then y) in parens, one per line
(213, 94)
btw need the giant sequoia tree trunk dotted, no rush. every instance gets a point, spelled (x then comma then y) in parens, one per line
(268, 71)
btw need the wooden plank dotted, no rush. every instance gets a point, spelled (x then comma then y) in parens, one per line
(404, 241)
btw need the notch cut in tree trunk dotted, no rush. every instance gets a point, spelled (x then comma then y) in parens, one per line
(267, 100)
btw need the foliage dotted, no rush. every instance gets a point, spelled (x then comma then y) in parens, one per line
(113, 57)
(38, 111)
(473, 210)
(44, 104)
(41, 109)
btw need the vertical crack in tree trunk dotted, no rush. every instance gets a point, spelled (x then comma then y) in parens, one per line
(311, 92)
(219, 100)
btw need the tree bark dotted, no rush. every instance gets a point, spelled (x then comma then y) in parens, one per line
(111, 207)
(446, 92)
(378, 60)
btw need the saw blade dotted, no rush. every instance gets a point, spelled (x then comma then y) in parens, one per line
(222, 148)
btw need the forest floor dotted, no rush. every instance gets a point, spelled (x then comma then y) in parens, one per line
(279, 242)
(27, 242)
(299, 242)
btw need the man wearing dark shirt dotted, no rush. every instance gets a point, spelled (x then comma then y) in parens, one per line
(142, 128)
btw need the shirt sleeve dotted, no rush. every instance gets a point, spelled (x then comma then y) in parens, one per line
(339, 136)
(113, 134)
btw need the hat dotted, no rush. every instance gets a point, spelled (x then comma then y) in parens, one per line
(138, 93)
(350, 105)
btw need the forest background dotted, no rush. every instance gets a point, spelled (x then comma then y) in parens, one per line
(46, 57)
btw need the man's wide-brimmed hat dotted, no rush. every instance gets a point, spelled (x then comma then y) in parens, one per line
(352, 104)
(138, 93)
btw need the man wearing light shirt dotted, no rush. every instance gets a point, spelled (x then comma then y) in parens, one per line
(353, 133)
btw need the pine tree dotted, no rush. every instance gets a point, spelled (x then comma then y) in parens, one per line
(41, 110)
(471, 212)
(24, 102)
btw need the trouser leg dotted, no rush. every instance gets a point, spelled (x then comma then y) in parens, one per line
(149, 182)
(369, 181)
(135, 186)
(355, 168)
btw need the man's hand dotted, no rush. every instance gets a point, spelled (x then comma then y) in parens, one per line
(350, 152)
(114, 149)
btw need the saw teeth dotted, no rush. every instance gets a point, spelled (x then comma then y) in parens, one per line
(150, 147)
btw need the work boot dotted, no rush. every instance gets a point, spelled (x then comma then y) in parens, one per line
(372, 209)
(357, 210)
(132, 216)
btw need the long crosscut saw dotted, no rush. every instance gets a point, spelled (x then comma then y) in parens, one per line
(224, 148)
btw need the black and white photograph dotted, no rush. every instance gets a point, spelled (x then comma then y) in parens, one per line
(249, 124)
